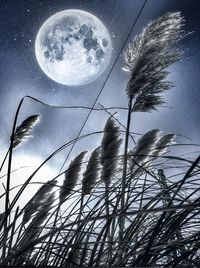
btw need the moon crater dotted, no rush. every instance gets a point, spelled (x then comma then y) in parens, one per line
(73, 47)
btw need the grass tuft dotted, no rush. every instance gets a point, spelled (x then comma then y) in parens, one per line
(136, 209)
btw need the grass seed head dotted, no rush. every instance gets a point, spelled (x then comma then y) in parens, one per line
(72, 176)
(110, 147)
(23, 131)
(91, 174)
(147, 58)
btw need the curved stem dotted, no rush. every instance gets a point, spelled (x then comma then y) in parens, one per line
(9, 173)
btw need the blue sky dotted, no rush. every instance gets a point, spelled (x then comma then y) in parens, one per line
(21, 75)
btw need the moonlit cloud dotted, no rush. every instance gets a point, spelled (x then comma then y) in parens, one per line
(23, 165)
(21, 75)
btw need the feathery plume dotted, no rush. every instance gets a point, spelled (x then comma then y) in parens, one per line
(43, 212)
(147, 57)
(149, 147)
(34, 228)
(144, 149)
(91, 174)
(110, 146)
(163, 144)
(23, 131)
(38, 201)
(71, 176)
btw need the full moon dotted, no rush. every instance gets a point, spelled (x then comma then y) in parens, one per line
(73, 47)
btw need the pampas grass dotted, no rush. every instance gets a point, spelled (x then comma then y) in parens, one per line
(147, 57)
(38, 201)
(23, 131)
(110, 146)
(17, 136)
(150, 146)
(91, 174)
(71, 176)
(146, 60)
(139, 208)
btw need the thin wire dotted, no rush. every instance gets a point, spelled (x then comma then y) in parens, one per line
(95, 101)
(75, 107)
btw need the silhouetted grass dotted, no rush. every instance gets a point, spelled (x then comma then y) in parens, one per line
(131, 209)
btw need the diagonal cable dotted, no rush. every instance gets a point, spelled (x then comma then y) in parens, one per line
(103, 86)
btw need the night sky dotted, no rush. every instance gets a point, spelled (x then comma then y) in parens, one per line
(20, 75)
